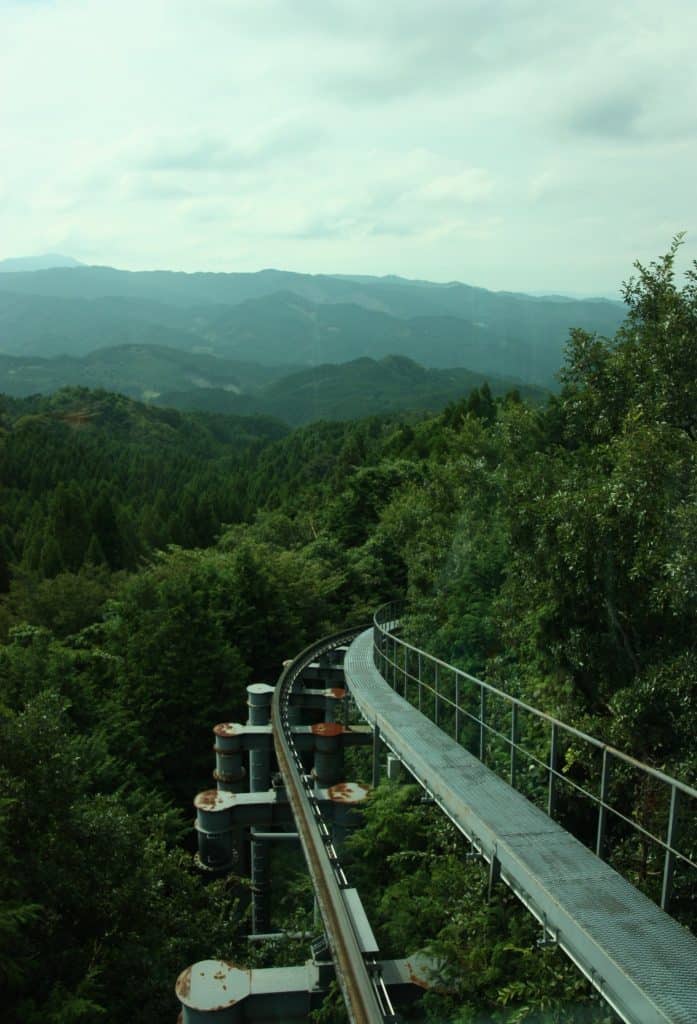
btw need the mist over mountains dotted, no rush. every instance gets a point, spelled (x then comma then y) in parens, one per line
(174, 334)
(44, 262)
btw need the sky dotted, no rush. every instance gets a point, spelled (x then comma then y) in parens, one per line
(526, 145)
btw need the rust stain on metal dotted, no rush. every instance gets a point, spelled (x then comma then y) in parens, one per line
(348, 792)
(227, 729)
(415, 979)
(327, 729)
(183, 986)
(336, 691)
(208, 800)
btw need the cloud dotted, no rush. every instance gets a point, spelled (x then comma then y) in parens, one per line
(465, 187)
(612, 117)
(221, 153)
(514, 143)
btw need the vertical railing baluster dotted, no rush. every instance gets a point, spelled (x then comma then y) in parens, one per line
(405, 669)
(376, 756)
(514, 742)
(602, 809)
(482, 722)
(457, 706)
(437, 706)
(671, 839)
(551, 786)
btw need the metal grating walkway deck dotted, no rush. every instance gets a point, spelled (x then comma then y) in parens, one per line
(641, 960)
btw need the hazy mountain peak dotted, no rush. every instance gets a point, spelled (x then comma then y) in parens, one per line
(18, 264)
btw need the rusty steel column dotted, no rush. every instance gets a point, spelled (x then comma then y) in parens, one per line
(229, 773)
(259, 704)
(215, 830)
(231, 777)
(329, 753)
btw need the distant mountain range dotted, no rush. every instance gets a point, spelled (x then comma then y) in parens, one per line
(278, 318)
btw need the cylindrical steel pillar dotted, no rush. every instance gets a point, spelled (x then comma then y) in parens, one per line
(215, 829)
(229, 773)
(259, 703)
(231, 777)
(329, 753)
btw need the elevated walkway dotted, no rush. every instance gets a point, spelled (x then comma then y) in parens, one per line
(642, 961)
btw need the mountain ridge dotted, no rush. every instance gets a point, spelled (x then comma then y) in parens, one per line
(298, 324)
(189, 381)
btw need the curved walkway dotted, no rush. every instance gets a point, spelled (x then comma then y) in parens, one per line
(642, 962)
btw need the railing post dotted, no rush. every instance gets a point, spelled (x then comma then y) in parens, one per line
(376, 755)
(437, 701)
(482, 723)
(406, 670)
(551, 788)
(671, 838)
(457, 707)
(602, 809)
(514, 741)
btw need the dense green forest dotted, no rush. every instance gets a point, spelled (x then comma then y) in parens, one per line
(153, 562)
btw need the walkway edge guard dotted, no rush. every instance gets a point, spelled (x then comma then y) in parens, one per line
(643, 963)
(676, 794)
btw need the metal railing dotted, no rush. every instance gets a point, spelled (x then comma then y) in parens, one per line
(553, 763)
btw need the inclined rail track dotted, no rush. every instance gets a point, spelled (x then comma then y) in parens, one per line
(364, 991)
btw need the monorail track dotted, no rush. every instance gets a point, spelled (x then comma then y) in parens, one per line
(362, 986)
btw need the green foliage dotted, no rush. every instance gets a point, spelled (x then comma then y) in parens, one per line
(410, 866)
(152, 563)
(117, 898)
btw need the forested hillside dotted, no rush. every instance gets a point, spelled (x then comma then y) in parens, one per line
(195, 381)
(155, 562)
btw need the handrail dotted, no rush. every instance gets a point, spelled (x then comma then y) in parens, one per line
(352, 972)
(387, 619)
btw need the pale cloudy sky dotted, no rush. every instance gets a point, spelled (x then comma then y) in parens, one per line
(520, 144)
